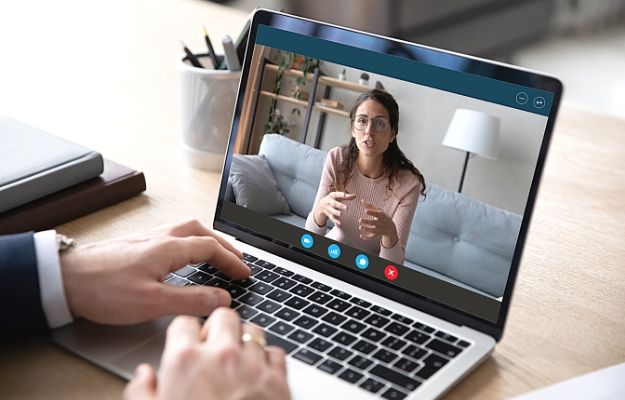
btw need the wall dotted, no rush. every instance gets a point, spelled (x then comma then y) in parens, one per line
(424, 116)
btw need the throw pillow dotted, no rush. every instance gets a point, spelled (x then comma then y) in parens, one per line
(255, 187)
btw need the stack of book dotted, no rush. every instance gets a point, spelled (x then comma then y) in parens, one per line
(46, 181)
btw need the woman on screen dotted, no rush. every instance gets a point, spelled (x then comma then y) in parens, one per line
(369, 189)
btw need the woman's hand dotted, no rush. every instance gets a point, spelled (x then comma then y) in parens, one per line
(378, 224)
(213, 362)
(331, 206)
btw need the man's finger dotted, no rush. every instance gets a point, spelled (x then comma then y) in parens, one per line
(196, 249)
(276, 358)
(199, 301)
(255, 346)
(194, 227)
(182, 332)
(223, 329)
(143, 384)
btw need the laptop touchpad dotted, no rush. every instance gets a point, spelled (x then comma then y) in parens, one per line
(147, 352)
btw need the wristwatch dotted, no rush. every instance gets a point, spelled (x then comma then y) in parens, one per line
(63, 242)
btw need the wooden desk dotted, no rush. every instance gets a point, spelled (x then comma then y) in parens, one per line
(103, 74)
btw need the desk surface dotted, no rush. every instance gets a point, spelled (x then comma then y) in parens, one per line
(104, 74)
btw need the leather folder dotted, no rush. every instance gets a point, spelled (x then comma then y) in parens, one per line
(115, 184)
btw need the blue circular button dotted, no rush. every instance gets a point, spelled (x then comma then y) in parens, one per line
(307, 241)
(334, 251)
(362, 261)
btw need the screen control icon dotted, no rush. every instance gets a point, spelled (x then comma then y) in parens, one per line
(334, 251)
(522, 98)
(539, 102)
(362, 261)
(307, 241)
(390, 272)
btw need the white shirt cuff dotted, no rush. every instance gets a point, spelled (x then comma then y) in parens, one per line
(51, 287)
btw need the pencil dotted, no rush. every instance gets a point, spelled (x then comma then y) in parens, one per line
(211, 51)
(191, 57)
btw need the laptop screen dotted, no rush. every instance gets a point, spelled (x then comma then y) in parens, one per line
(405, 165)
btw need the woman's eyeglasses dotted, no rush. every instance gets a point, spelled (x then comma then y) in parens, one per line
(379, 124)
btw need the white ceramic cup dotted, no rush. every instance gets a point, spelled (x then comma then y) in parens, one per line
(207, 98)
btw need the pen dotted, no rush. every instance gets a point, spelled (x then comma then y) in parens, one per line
(230, 54)
(191, 57)
(211, 51)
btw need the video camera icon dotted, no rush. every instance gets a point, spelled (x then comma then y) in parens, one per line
(307, 241)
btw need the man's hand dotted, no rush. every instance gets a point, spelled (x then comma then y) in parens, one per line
(120, 281)
(212, 362)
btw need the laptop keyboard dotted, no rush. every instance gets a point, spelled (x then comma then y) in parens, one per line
(380, 351)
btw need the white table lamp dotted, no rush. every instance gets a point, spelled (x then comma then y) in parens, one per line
(474, 132)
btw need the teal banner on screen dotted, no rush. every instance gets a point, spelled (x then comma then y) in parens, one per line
(476, 86)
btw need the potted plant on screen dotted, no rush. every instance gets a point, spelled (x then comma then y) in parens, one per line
(276, 122)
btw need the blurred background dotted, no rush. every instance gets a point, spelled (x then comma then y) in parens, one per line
(580, 41)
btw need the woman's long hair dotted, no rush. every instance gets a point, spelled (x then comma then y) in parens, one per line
(393, 159)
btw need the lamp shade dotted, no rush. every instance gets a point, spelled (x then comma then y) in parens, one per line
(474, 132)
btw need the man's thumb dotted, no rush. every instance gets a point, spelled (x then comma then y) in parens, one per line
(143, 384)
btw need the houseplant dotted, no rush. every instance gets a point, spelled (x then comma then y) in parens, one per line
(276, 122)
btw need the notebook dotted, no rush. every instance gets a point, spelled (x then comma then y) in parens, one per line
(34, 163)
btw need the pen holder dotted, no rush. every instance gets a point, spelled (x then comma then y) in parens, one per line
(207, 98)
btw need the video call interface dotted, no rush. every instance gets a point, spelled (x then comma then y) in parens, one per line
(388, 172)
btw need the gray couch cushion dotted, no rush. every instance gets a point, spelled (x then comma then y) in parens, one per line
(254, 185)
(464, 239)
(297, 169)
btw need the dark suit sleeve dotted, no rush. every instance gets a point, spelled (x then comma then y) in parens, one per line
(20, 299)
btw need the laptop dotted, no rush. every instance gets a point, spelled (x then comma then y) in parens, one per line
(355, 321)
